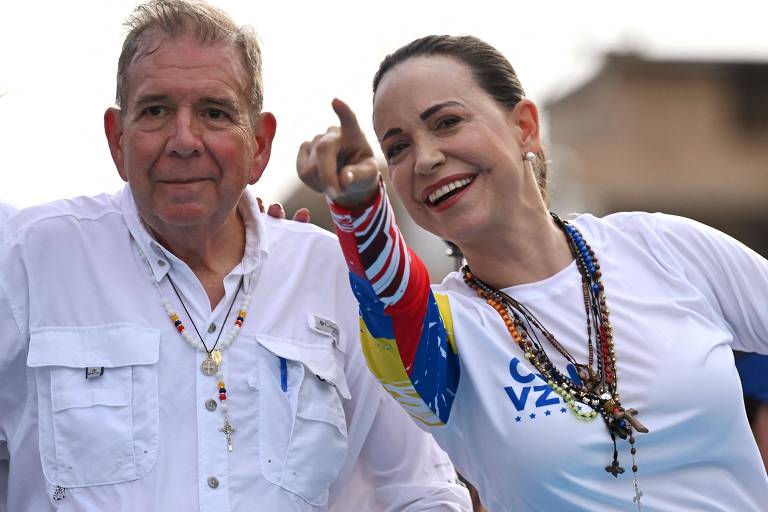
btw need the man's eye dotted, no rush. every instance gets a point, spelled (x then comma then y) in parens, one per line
(216, 114)
(155, 111)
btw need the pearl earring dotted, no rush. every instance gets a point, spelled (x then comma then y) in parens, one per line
(530, 156)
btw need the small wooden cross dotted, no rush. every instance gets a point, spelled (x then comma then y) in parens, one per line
(614, 469)
(228, 430)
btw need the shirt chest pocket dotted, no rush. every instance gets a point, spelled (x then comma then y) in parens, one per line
(302, 425)
(102, 429)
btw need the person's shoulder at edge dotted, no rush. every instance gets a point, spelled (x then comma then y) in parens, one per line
(6, 211)
(81, 208)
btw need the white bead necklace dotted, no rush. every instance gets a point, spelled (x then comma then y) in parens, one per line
(212, 365)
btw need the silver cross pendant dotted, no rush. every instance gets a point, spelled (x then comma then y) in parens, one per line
(228, 430)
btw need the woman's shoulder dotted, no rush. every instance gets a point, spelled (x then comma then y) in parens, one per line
(456, 291)
(651, 227)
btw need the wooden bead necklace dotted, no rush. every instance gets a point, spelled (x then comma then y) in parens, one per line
(597, 387)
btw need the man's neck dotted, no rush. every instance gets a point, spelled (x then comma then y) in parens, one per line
(210, 252)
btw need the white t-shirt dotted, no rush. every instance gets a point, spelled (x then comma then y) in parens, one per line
(681, 296)
(75, 293)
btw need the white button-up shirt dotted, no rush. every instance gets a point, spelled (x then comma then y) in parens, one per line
(141, 432)
(6, 211)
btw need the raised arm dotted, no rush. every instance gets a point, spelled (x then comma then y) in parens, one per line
(406, 329)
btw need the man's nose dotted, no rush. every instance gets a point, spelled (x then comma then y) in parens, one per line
(185, 140)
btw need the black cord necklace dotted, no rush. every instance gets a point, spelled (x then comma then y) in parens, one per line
(211, 364)
(598, 388)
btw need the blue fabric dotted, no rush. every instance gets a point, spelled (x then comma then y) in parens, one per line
(753, 370)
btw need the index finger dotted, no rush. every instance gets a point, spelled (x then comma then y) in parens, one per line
(346, 116)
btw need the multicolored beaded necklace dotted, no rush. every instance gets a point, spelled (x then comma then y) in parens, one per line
(212, 365)
(597, 387)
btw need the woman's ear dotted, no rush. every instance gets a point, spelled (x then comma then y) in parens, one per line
(525, 116)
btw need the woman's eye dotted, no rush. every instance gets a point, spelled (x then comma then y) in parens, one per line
(395, 149)
(447, 122)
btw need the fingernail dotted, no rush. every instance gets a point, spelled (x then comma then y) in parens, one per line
(275, 210)
(351, 176)
(331, 192)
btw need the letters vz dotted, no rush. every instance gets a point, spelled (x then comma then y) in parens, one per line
(541, 394)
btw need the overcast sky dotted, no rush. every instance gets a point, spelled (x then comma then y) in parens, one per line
(58, 61)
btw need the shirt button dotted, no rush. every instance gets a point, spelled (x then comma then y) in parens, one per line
(212, 328)
(210, 404)
(161, 263)
(213, 482)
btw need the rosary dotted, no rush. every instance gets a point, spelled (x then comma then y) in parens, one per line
(212, 364)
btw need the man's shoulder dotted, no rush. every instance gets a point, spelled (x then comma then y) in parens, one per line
(287, 236)
(6, 211)
(298, 230)
(56, 215)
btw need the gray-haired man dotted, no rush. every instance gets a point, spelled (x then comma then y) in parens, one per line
(170, 348)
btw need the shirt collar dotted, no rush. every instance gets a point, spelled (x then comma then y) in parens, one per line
(161, 259)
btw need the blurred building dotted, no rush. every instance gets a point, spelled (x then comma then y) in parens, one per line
(682, 137)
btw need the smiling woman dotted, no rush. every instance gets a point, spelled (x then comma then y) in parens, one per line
(565, 366)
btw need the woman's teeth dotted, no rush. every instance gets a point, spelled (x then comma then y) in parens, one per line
(440, 193)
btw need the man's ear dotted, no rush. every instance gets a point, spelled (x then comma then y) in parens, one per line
(525, 116)
(113, 128)
(263, 134)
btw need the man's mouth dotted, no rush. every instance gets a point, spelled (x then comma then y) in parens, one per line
(448, 190)
(184, 181)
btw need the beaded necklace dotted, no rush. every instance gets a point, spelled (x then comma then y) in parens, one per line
(212, 365)
(597, 387)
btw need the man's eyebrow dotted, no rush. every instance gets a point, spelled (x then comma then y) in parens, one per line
(152, 98)
(434, 108)
(221, 102)
(164, 98)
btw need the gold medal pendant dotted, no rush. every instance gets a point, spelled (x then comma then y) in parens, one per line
(209, 366)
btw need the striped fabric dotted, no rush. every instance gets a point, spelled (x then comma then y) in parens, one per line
(405, 329)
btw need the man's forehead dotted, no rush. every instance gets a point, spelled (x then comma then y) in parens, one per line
(206, 62)
(155, 41)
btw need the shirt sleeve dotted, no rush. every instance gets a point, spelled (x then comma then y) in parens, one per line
(13, 390)
(392, 464)
(406, 329)
(732, 277)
